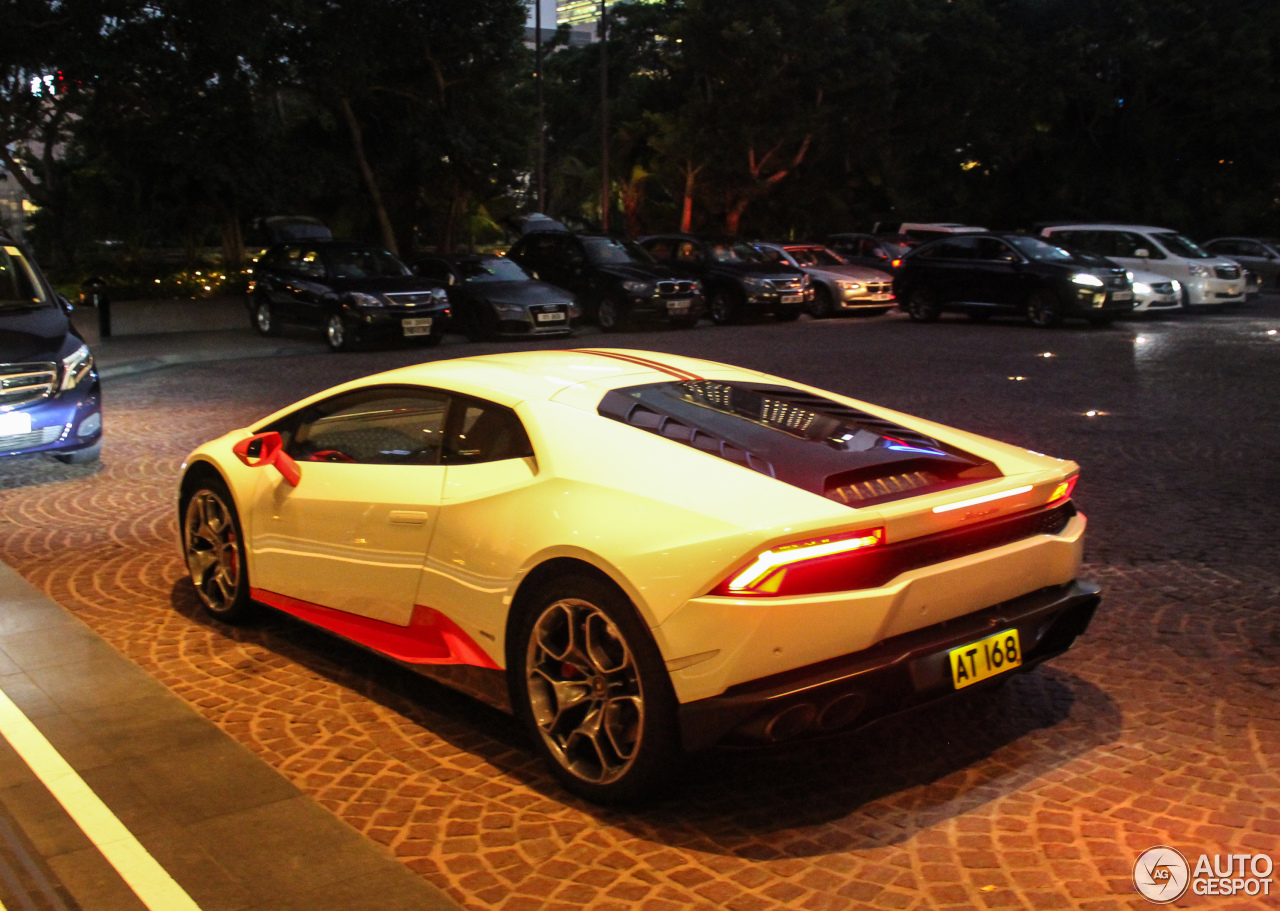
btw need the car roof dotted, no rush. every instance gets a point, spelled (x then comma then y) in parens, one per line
(1151, 229)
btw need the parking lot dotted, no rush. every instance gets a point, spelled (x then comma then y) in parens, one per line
(1161, 727)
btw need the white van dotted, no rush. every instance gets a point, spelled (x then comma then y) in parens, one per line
(1206, 280)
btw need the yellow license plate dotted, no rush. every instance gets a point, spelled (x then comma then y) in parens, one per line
(985, 658)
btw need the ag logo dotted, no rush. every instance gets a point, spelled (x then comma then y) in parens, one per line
(1161, 874)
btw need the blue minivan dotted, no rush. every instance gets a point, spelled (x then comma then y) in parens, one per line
(50, 400)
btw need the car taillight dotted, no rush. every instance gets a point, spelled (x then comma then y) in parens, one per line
(896, 263)
(1063, 491)
(791, 568)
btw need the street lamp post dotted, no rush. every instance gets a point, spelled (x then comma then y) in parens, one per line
(540, 175)
(604, 118)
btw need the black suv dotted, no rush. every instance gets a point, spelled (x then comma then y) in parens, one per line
(738, 278)
(615, 281)
(351, 292)
(986, 274)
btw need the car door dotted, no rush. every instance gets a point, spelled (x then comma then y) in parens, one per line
(481, 539)
(278, 276)
(948, 269)
(996, 274)
(353, 533)
(311, 289)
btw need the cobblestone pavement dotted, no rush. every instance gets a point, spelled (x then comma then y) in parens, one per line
(1161, 727)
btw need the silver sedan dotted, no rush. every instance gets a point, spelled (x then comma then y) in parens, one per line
(838, 286)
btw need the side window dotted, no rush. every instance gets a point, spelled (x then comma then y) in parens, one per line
(310, 264)
(1249, 248)
(955, 248)
(770, 254)
(385, 425)
(481, 431)
(1136, 241)
(291, 260)
(659, 249)
(18, 282)
(872, 250)
(436, 269)
(993, 250)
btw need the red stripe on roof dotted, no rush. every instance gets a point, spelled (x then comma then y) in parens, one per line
(642, 362)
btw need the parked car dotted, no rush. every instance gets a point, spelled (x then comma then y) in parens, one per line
(1206, 280)
(1257, 254)
(615, 281)
(50, 399)
(351, 292)
(986, 274)
(838, 287)
(491, 296)
(876, 251)
(1151, 291)
(641, 553)
(737, 277)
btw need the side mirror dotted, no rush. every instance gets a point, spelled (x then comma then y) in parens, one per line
(1142, 252)
(452, 281)
(264, 449)
(64, 304)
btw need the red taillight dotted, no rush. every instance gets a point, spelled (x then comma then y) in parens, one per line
(896, 263)
(790, 568)
(1063, 491)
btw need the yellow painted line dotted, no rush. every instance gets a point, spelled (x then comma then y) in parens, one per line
(148, 880)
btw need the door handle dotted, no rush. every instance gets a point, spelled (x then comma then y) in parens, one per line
(407, 517)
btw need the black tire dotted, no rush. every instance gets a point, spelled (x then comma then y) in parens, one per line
(922, 306)
(336, 334)
(213, 547)
(619, 740)
(1044, 311)
(613, 315)
(822, 306)
(81, 456)
(725, 306)
(787, 314)
(264, 317)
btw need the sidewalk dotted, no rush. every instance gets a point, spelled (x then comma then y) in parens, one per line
(149, 335)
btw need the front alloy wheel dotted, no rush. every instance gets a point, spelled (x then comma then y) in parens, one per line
(724, 307)
(922, 306)
(336, 334)
(590, 683)
(1043, 310)
(612, 315)
(264, 319)
(214, 550)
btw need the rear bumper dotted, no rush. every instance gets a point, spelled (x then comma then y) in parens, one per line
(899, 673)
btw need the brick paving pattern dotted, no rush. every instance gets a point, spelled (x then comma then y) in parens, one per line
(1161, 727)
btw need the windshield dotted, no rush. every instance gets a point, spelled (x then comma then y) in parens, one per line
(734, 252)
(815, 256)
(1180, 246)
(365, 262)
(1038, 249)
(19, 286)
(605, 250)
(492, 270)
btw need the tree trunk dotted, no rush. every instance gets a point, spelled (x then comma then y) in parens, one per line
(357, 141)
(686, 211)
(232, 240)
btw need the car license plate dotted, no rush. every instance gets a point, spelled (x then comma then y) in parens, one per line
(985, 658)
(14, 423)
(879, 297)
(556, 317)
(417, 326)
(1122, 296)
(679, 306)
(792, 298)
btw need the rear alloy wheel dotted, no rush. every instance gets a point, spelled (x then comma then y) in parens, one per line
(822, 306)
(724, 306)
(922, 306)
(214, 551)
(336, 334)
(590, 685)
(613, 315)
(264, 317)
(1043, 310)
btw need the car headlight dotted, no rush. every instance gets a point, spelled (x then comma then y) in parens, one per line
(1199, 271)
(756, 286)
(365, 300)
(804, 280)
(1129, 275)
(643, 289)
(1141, 288)
(1177, 286)
(75, 367)
(440, 294)
(509, 310)
(1084, 278)
(849, 286)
